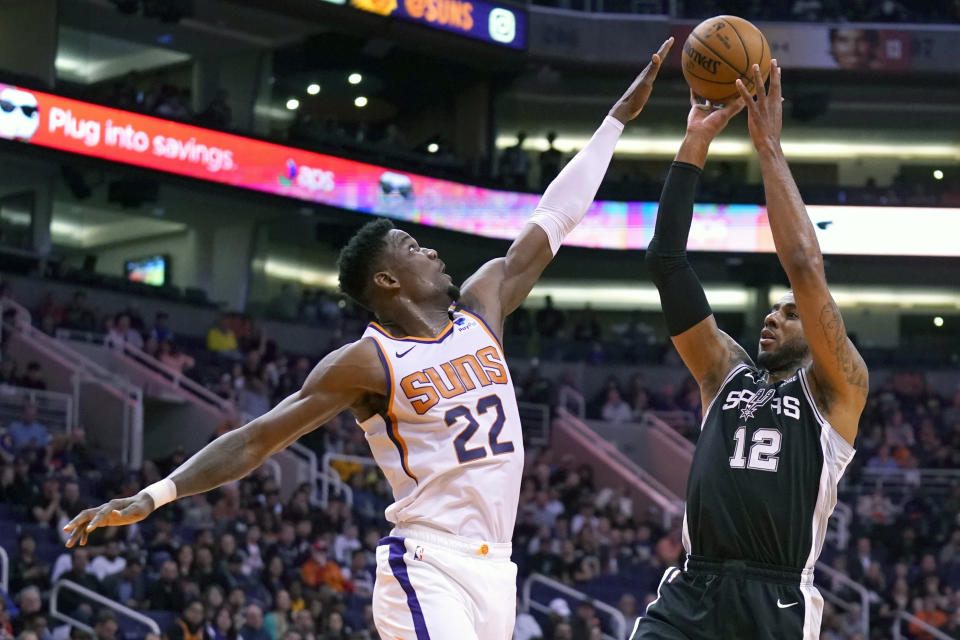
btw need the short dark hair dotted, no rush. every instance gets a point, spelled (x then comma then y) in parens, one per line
(360, 258)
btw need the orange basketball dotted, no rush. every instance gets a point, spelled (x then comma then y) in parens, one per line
(720, 50)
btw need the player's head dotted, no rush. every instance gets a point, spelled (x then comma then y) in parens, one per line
(381, 264)
(854, 48)
(783, 345)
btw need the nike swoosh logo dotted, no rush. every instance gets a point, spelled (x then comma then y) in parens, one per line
(400, 355)
(785, 606)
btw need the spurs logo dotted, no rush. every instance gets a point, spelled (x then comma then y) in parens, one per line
(756, 402)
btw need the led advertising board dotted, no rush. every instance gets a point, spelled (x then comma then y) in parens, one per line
(498, 24)
(47, 120)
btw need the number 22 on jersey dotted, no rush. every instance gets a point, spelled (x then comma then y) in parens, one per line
(461, 413)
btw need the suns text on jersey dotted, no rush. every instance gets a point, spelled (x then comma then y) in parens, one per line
(459, 375)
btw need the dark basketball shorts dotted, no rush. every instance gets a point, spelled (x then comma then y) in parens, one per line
(714, 600)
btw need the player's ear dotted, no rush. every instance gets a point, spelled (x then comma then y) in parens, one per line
(385, 280)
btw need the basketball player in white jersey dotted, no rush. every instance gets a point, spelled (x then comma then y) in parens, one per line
(429, 385)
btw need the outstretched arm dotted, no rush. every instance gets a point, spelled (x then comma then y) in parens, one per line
(338, 382)
(708, 352)
(838, 372)
(501, 285)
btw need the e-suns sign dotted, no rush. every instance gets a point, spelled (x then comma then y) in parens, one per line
(502, 25)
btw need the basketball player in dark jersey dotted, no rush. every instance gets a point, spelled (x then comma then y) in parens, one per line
(776, 435)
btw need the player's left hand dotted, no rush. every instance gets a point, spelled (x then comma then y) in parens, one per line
(117, 512)
(765, 114)
(632, 102)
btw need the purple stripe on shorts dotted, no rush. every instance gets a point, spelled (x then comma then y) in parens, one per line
(399, 568)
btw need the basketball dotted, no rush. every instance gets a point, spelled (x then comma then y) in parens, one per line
(720, 50)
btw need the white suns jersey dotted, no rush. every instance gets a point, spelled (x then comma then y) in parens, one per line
(450, 443)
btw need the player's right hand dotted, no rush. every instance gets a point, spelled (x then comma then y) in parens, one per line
(632, 102)
(117, 512)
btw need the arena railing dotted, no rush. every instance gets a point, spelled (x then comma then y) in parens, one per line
(614, 468)
(846, 581)
(838, 527)
(894, 481)
(54, 409)
(4, 570)
(617, 622)
(330, 477)
(93, 596)
(101, 400)
(909, 618)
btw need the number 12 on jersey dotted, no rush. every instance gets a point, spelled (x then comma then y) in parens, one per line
(763, 451)
(484, 405)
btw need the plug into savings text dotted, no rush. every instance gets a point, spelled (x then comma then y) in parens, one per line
(126, 137)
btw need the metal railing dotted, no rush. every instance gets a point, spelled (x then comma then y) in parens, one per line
(931, 481)
(167, 375)
(536, 422)
(848, 582)
(616, 618)
(54, 409)
(630, 473)
(85, 371)
(4, 571)
(330, 477)
(118, 608)
(838, 527)
(909, 618)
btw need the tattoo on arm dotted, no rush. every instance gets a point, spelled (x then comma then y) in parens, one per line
(848, 360)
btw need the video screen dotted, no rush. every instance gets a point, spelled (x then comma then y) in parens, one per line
(150, 270)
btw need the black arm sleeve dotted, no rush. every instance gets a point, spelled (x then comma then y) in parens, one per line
(681, 294)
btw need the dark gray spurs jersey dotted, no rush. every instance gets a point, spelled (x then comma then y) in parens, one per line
(764, 476)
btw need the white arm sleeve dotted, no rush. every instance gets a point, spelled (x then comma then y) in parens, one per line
(566, 200)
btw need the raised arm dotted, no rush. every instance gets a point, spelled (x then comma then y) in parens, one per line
(838, 373)
(708, 352)
(340, 381)
(501, 285)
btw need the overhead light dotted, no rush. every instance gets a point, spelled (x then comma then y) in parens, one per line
(938, 321)
(360, 102)
(313, 89)
(293, 104)
(433, 147)
(354, 78)
(937, 174)
(933, 299)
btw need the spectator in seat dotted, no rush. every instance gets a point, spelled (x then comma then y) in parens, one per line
(189, 625)
(320, 569)
(335, 628)
(33, 377)
(79, 560)
(345, 544)
(110, 562)
(78, 315)
(28, 569)
(252, 628)
(221, 627)
(122, 333)
(278, 621)
(286, 546)
(615, 409)
(161, 331)
(46, 506)
(221, 339)
(526, 627)
(359, 574)
(70, 502)
(129, 585)
(166, 593)
(8, 371)
(27, 433)
(106, 626)
(170, 355)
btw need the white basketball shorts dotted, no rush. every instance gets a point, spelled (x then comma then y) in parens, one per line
(437, 586)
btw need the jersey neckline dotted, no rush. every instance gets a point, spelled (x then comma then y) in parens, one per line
(444, 334)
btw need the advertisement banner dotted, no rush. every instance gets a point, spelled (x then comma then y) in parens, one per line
(853, 47)
(497, 24)
(42, 119)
